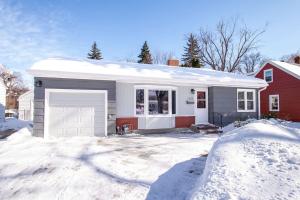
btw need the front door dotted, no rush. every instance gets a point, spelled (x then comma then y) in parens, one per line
(201, 105)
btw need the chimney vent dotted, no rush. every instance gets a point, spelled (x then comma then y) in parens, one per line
(297, 60)
(173, 62)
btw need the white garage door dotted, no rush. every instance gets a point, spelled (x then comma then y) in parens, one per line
(76, 113)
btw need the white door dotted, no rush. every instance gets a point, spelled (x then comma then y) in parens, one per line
(201, 105)
(76, 113)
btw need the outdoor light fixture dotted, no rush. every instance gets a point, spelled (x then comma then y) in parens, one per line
(38, 83)
(193, 91)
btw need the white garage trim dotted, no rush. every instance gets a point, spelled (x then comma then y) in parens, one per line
(47, 95)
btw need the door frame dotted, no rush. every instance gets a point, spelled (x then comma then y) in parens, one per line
(206, 104)
(47, 95)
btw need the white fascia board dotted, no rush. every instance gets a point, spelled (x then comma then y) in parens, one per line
(186, 81)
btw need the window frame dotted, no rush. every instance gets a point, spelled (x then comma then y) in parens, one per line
(146, 89)
(245, 100)
(268, 70)
(270, 103)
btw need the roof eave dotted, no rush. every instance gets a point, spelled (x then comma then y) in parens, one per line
(134, 79)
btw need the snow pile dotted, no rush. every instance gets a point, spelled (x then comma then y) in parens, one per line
(13, 123)
(101, 168)
(258, 161)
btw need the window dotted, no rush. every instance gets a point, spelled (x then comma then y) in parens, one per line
(245, 100)
(274, 102)
(154, 100)
(140, 105)
(268, 75)
(158, 102)
(201, 99)
(173, 102)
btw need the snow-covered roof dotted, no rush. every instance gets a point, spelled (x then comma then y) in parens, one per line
(290, 68)
(139, 73)
(24, 95)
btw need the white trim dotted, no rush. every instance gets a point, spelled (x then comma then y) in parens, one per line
(270, 103)
(146, 89)
(259, 107)
(47, 94)
(268, 70)
(245, 99)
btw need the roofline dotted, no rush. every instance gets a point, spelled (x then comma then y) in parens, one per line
(134, 79)
(25, 94)
(278, 66)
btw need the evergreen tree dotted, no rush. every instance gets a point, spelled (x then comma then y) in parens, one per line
(191, 57)
(145, 55)
(95, 53)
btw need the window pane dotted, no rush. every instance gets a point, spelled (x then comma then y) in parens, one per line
(139, 101)
(241, 95)
(201, 99)
(241, 105)
(173, 102)
(158, 102)
(268, 76)
(250, 105)
(201, 104)
(201, 95)
(274, 103)
(249, 95)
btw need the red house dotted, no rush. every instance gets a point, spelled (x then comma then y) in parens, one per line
(282, 96)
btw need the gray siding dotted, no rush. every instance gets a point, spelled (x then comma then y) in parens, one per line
(55, 83)
(222, 106)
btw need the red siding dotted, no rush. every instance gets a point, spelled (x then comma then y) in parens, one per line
(288, 88)
(184, 121)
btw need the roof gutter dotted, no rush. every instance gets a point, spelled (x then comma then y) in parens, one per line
(259, 111)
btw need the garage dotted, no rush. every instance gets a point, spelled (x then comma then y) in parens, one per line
(71, 113)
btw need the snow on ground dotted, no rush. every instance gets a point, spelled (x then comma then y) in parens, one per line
(260, 160)
(13, 123)
(137, 167)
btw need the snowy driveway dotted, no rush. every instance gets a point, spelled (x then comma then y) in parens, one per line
(166, 166)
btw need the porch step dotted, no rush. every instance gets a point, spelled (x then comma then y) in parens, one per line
(206, 129)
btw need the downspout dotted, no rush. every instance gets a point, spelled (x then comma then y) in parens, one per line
(259, 91)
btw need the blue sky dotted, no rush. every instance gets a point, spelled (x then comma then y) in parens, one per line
(31, 30)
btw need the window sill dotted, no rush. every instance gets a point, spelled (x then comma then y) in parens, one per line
(246, 111)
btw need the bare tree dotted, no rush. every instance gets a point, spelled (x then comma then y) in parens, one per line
(160, 57)
(290, 57)
(225, 48)
(13, 81)
(250, 62)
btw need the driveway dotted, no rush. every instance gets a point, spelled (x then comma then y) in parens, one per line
(136, 167)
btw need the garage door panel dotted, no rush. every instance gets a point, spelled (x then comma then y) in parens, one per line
(76, 114)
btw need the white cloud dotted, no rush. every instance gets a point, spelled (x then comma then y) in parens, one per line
(27, 37)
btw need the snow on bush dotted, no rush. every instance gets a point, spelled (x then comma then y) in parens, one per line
(260, 160)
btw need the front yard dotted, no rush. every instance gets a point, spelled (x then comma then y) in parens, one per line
(135, 167)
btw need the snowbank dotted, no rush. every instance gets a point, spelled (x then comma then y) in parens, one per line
(13, 123)
(258, 161)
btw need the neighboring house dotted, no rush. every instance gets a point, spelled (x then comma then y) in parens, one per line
(26, 106)
(2, 100)
(282, 97)
(87, 98)
(11, 109)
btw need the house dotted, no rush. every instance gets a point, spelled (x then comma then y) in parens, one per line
(86, 97)
(26, 106)
(282, 97)
(2, 100)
